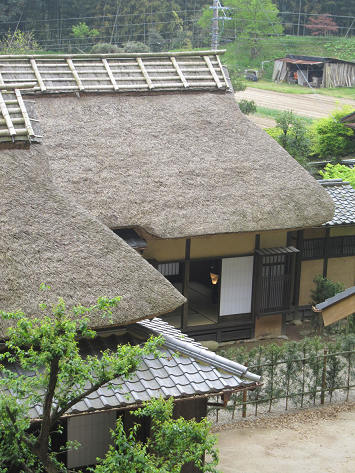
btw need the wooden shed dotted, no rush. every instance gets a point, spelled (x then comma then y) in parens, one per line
(318, 71)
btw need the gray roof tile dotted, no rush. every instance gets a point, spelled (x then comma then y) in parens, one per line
(344, 199)
(195, 372)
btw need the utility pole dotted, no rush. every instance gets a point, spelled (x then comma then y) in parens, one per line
(215, 19)
(214, 41)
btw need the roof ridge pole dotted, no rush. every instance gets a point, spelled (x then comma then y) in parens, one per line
(75, 74)
(212, 71)
(37, 74)
(109, 72)
(179, 71)
(6, 116)
(24, 112)
(145, 73)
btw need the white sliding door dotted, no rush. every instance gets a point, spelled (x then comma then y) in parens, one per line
(236, 285)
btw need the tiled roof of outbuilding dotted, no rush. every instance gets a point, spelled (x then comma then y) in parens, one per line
(343, 196)
(184, 370)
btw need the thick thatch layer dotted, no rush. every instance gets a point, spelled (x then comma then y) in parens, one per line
(47, 238)
(176, 165)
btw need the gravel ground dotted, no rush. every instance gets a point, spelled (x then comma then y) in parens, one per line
(314, 106)
(317, 440)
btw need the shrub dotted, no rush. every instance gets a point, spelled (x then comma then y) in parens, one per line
(247, 106)
(135, 47)
(105, 48)
(331, 138)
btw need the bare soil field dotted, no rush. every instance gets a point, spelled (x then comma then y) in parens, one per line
(310, 105)
(317, 440)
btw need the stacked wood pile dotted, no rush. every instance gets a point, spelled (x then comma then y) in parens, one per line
(338, 75)
(116, 73)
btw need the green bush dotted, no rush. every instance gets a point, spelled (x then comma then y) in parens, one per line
(105, 48)
(339, 171)
(135, 47)
(247, 106)
(331, 138)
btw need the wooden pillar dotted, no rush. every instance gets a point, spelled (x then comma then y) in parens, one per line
(298, 266)
(185, 284)
(326, 253)
(255, 298)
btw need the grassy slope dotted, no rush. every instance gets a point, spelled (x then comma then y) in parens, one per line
(237, 56)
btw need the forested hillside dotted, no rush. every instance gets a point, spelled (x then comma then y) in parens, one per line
(161, 24)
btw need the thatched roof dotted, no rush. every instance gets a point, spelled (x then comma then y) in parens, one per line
(197, 70)
(176, 165)
(47, 238)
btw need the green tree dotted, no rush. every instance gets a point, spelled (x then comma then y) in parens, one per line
(47, 348)
(252, 20)
(292, 133)
(331, 138)
(19, 42)
(339, 171)
(173, 444)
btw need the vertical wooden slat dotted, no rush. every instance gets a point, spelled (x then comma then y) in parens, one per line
(179, 71)
(145, 73)
(75, 74)
(24, 112)
(109, 72)
(6, 116)
(38, 75)
(212, 71)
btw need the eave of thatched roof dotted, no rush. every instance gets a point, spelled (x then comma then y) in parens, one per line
(175, 165)
(47, 238)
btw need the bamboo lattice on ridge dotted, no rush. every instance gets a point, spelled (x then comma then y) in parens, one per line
(116, 72)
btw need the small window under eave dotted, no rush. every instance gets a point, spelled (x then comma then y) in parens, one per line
(132, 238)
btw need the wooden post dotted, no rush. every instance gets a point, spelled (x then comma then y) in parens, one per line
(324, 374)
(185, 284)
(37, 74)
(245, 398)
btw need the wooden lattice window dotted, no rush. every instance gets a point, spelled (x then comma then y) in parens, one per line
(313, 248)
(275, 283)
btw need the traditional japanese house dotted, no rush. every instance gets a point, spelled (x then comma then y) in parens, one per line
(155, 148)
(328, 250)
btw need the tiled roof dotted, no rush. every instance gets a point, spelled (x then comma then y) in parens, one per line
(344, 198)
(185, 369)
(338, 297)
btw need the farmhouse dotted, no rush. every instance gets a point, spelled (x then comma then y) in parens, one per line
(154, 147)
(329, 249)
(318, 71)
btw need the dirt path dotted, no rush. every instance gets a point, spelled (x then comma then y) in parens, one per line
(308, 105)
(319, 440)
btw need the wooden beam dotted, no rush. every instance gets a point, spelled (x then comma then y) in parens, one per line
(75, 74)
(212, 71)
(179, 71)
(109, 72)
(24, 113)
(145, 73)
(5, 113)
(38, 75)
(186, 284)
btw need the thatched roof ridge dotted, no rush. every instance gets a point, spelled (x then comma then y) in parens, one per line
(199, 70)
(47, 238)
(176, 165)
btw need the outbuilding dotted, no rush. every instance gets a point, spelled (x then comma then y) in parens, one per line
(318, 71)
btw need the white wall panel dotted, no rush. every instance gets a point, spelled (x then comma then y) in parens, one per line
(93, 433)
(236, 285)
